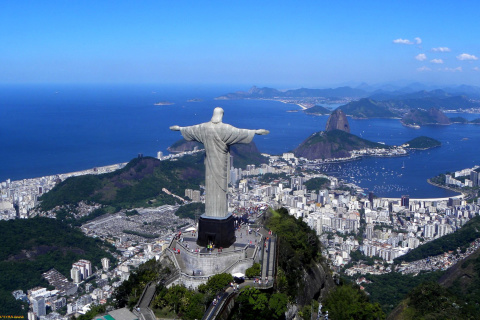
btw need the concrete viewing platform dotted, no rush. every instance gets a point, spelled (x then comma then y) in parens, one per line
(196, 264)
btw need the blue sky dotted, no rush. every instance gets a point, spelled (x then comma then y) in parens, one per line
(285, 44)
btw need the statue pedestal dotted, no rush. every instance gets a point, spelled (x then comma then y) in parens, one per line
(219, 231)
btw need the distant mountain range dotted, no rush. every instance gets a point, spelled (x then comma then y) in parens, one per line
(270, 93)
(415, 107)
(381, 93)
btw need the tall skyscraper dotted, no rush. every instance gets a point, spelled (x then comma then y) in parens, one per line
(369, 231)
(76, 275)
(474, 176)
(405, 201)
(429, 230)
(370, 198)
(85, 268)
(39, 307)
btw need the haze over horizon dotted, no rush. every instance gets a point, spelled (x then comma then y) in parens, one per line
(280, 44)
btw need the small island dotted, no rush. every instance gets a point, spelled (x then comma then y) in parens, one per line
(423, 143)
(163, 103)
(476, 121)
(420, 117)
(318, 110)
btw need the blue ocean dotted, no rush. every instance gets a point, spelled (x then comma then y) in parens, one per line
(49, 129)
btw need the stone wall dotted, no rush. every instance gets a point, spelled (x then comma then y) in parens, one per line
(209, 264)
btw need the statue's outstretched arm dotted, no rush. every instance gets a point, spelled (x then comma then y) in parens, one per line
(260, 131)
(175, 128)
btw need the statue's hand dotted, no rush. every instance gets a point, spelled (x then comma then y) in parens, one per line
(262, 132)
(175, 128)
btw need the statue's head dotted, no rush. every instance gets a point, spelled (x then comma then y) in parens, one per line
(217, 115)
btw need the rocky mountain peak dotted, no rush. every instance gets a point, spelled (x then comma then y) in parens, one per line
(338, 121)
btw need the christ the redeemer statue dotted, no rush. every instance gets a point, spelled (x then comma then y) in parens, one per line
(217, 137)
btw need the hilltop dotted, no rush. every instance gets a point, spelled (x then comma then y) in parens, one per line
(243, 154)
(138, 184)
(368, 108)
(332, 144)
(335, 142)
(317, 110)
(338, 121)
(423, 143)
(424, 117)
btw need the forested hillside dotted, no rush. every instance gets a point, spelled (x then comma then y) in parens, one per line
(31, 247)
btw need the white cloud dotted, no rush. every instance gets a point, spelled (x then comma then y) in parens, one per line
(476, 68)
(459, 69)
(466, 56)
(424, 69)
(418, 40)
(421, 57)
(441, 49)
(439, 61)
(402, 41)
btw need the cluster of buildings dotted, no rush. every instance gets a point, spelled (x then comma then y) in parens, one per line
(464, 178)
(76, 296)
(18, 198)
(346, 220)
(394, 151)
(81, 270)
(194, 195)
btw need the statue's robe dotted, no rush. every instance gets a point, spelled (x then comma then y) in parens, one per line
(217, 139)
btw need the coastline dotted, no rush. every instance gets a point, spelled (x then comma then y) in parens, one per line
(445, 187)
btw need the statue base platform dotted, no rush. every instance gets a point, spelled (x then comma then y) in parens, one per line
(217, 231)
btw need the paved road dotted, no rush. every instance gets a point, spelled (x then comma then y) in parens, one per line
(145, 311)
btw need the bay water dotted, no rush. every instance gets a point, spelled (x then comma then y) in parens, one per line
(50, 129)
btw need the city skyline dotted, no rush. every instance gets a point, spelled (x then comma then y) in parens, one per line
(310, 44)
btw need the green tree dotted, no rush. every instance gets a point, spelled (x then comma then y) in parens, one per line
(189, 210)
(432, 301)
(253, 271)
(253, 304)
(317, 183)
(215, 285)
(278, 305)
(347, 302)
(299, 248)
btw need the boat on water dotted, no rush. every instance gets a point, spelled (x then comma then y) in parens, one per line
(163, 103)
